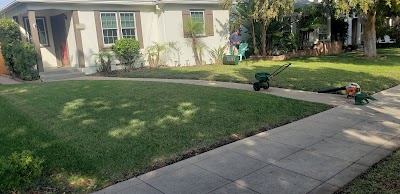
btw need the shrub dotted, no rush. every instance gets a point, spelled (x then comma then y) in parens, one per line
(9, 31)
(127, 50)
(105, 59)
(19, 171)
(24, 59)
(217, 54)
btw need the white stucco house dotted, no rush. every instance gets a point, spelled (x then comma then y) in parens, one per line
(69, 33)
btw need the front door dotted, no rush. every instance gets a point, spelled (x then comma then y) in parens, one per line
(60, 40)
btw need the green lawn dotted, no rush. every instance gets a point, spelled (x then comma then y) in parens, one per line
(383, 177)
(94, 133)
(311, 73)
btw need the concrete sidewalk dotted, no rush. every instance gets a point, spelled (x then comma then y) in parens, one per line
(318, 154)
(7, 80)
(331, 99)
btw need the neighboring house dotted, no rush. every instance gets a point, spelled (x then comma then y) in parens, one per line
(322, 34)
(69, 33)
(354, 30)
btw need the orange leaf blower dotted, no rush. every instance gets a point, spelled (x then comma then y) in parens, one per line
(351, 90)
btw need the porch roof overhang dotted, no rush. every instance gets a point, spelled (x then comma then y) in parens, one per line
(17, 3)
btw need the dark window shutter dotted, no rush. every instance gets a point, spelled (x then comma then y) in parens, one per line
(209, 22)
(185, 19)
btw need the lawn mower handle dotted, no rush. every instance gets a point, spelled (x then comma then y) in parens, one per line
(280, 69)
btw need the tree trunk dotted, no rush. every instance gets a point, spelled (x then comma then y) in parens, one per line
(263, 38)
(194, 48)
(370, 35)
(256, 51)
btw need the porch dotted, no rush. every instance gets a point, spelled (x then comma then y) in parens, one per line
(56, 37)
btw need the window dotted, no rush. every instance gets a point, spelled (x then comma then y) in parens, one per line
(109, 27)
(112, 31)
(128, 25)
(323, 30)
(197, 18)
(287, 25)
(41, 28)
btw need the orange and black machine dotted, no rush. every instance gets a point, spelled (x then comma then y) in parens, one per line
(351, 89)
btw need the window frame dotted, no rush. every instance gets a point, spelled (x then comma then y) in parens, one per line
(287, 28)
(204, 20)
(27, 29)
(134, 22)
(102, 28)
(324, 29)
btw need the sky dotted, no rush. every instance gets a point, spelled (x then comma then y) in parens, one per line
(4, 3)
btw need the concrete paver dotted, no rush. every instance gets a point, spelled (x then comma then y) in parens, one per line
(272, 179)
(348, 174)
(189, 179)
(7, 80)
(266, 150)
(317, 154)
(393, 144)
(318, 166)
(384, 127)
(325, 188)
(373, 157)
(363, 137)
(233, 188)
(345, 150)
(295, 138)
(142, 188)
(120, 186)
(164, 170)
(231, 165)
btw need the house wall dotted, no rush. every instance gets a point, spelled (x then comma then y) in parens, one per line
(160, 25)
(89, 37)
(174, 32)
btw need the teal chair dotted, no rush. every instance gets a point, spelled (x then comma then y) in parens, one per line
(242, 50)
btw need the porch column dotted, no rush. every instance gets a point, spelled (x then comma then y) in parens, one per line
(22, 28)
(349, 30)
(35, 39)
(329, 23)
(78, 39)
(359, 35)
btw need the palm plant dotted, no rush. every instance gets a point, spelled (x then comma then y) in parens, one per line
(217, 54)
(194, 30)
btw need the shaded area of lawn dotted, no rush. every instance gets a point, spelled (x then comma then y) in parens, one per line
(94, 133)
(383, 177)
(310, 73)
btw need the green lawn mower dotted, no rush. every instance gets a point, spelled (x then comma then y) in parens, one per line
(264, 78)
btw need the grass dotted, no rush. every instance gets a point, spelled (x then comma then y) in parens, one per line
(310, 73)
(95, 133)
(383, 177)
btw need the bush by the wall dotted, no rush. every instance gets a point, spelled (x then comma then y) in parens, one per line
(24, 59)
(9, 31)
(127, 51)
(19, 171)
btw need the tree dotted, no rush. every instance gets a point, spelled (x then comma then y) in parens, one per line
(263, 12)
(368, 9)
(194, 30)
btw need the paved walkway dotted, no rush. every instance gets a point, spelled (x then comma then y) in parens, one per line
(318, 154)
(7, 80)
(331, 99)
